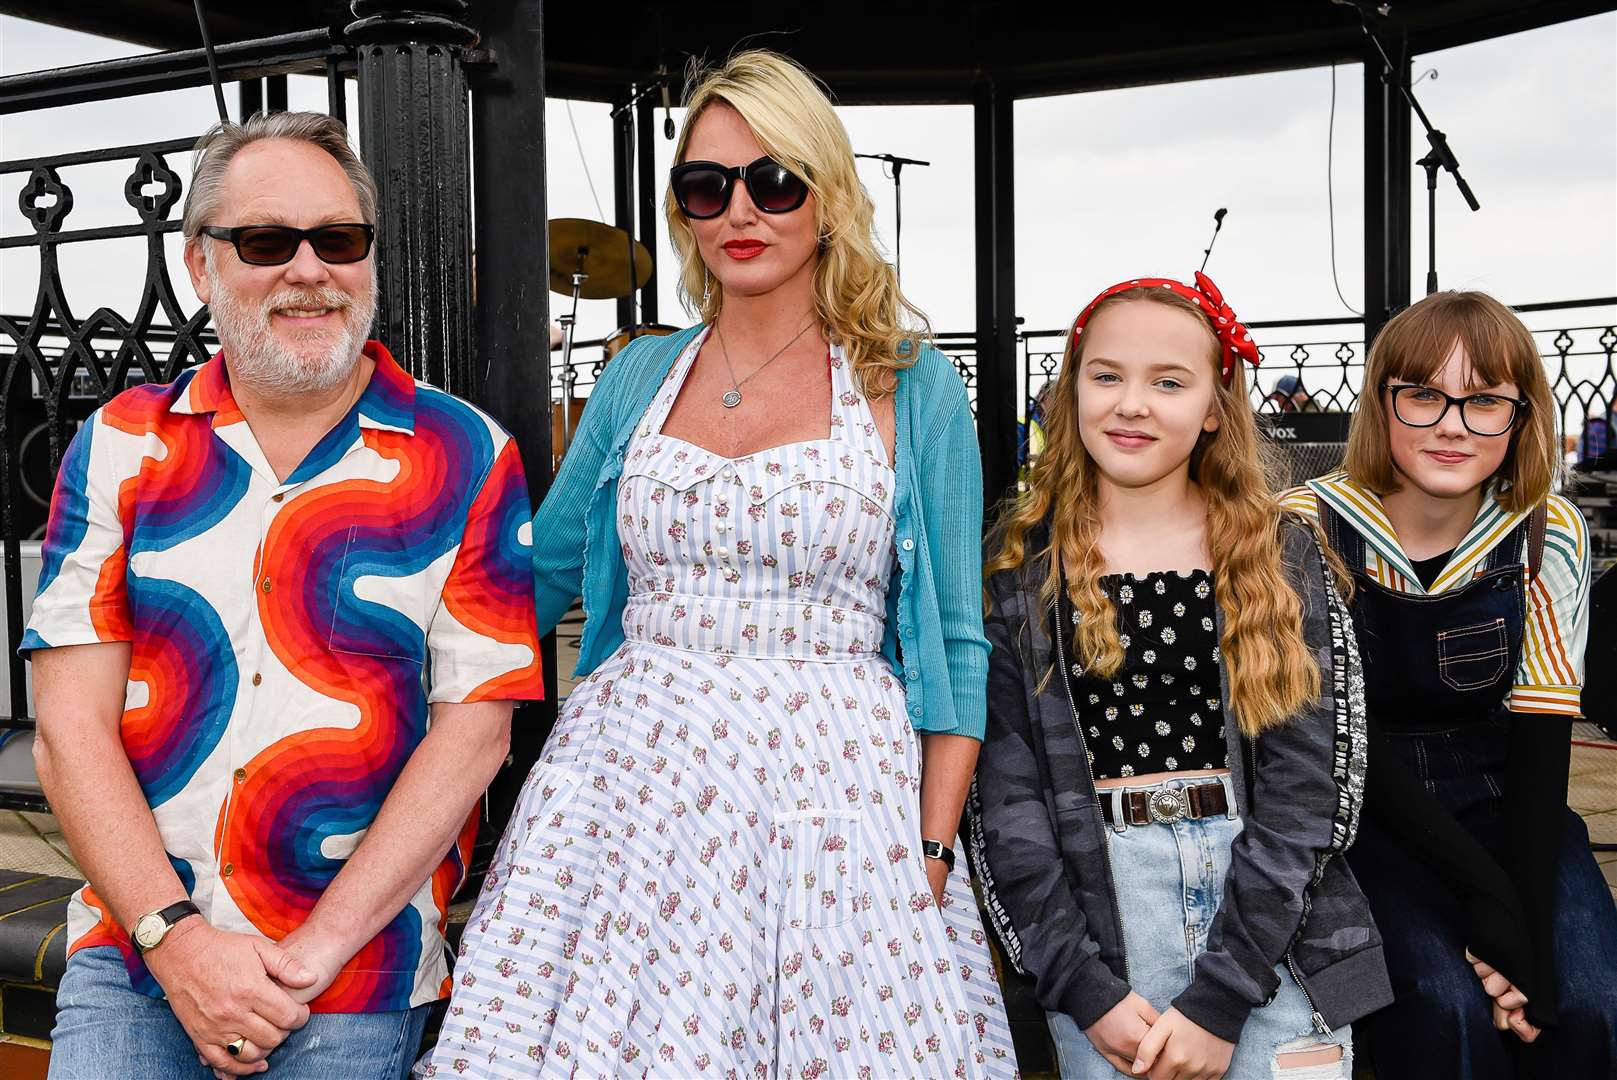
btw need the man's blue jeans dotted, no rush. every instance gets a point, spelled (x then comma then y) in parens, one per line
(105, 1030)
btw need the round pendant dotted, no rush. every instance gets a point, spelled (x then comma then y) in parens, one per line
(731, 398)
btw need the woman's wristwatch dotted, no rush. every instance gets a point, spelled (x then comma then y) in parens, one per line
(937, 849)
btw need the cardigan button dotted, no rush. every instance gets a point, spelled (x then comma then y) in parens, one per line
(908, 544)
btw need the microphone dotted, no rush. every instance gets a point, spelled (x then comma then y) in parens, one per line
(1365, 7)
(1218, 223)
(893, 159)
(668, 116)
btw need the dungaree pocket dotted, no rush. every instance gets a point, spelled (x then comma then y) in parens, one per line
(1473, 656)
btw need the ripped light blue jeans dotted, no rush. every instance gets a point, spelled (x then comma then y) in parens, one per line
(1189, 859)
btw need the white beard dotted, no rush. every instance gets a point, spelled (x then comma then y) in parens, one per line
(257, 356)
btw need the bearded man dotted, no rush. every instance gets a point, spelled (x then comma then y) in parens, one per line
(284, 611)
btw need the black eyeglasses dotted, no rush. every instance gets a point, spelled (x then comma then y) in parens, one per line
(703, 188)
(273, 245)
(1482, 414)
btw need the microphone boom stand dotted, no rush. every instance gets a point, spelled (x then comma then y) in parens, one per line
(1439, 156)
(898, 164)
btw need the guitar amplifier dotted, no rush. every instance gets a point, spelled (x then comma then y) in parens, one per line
(1306, 444)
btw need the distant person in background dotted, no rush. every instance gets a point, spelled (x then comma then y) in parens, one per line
(1597, 446)
(1289, 396)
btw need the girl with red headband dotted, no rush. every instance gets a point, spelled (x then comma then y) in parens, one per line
(1175, 743)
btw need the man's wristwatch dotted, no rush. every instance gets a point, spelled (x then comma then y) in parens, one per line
(937, 849)
(152, 928)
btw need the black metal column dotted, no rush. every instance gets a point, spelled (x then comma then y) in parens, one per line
(249, 98)
(513, 300)
(623, 190)
(415, 135)
(997, 386)
(275, 93)
(1388, 165)
(646, 164)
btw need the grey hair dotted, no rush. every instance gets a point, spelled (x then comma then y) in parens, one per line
(221, 143)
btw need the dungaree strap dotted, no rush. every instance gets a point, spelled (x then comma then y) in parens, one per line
(1343, 538)
(1525, 547)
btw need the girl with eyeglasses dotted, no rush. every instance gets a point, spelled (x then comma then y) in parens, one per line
(1174, 751)
(736, 855)
(1471, 602)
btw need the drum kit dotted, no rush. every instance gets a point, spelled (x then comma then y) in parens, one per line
(592, 261)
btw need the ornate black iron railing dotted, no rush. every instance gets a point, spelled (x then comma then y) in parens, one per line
(56, 365)
(1580, 362)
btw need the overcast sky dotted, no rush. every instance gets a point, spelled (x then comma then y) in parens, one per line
(1109, 185)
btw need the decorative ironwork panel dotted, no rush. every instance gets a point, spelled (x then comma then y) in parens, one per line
(58, 365)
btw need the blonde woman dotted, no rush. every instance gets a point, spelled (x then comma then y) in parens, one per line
(736, 856)
(1174, 751)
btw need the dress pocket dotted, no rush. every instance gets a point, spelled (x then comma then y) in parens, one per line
(1470, 657)
(821, 852)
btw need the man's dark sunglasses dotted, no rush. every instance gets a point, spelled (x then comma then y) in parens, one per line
(273, 245)
(703, 188)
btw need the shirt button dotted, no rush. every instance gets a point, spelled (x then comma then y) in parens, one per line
(267, 587)
(240, 775)
(724, 552)
(729, 473)
(278, 496)
(908, 544)
(257, 678)
(227, 869)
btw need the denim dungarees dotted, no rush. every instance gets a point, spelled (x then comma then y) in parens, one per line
(1438, 673)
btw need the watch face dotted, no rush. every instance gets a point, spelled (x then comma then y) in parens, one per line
(149, 930)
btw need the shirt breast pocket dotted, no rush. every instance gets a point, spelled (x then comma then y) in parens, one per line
(1471, 657)
(381, 598)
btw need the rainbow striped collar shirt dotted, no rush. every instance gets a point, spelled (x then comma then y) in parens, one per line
(287, 639)
(1549, 677)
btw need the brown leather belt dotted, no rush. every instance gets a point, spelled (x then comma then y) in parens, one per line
(1166, 804)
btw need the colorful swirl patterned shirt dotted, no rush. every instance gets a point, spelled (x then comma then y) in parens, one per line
(1549, 676)
(288, 638)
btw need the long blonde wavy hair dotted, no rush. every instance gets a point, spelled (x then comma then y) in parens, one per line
(1272, 674)
(856, 294)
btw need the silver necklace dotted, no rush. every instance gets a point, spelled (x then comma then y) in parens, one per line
(732, 396)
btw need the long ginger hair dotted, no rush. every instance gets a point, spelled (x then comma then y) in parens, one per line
(1272, 673)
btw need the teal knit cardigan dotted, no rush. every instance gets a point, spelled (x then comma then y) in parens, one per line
(934, 636)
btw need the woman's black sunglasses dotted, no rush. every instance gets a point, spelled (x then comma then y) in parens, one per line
(703, 188)
(273, 245)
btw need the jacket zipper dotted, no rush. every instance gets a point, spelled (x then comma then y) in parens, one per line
(1089, 770)
(1291, 963)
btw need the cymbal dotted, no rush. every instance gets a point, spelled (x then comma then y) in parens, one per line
(602, 252)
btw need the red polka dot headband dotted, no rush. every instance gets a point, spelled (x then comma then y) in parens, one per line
(1235, 340)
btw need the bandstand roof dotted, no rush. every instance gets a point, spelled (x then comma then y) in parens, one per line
(888, 52)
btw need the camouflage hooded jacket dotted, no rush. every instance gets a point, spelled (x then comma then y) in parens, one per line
(1038, 842)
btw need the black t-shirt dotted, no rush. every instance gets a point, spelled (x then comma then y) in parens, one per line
(1427, 570)
(1163, 711)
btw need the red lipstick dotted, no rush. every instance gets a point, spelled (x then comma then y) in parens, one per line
(744, 249)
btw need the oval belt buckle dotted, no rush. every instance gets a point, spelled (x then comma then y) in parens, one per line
(1167, 806)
